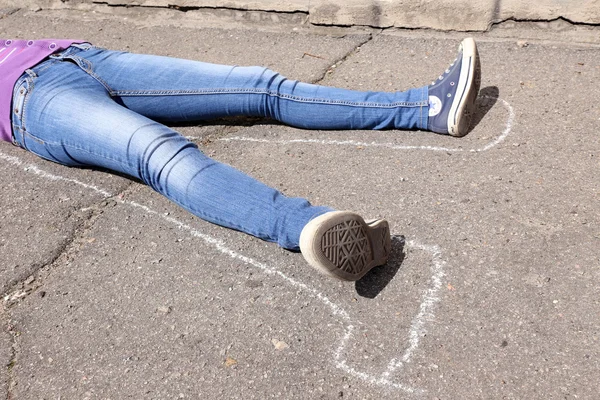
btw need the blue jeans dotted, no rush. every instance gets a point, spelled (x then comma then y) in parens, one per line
(98, 108)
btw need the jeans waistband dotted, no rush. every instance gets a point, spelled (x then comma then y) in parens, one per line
(25, 82)
(73, 49)
(53, 58)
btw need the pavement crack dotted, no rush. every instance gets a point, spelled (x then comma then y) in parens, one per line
(6, 12)
(555, 21)
(184, 9)
(345, 57)
(18, 288)
(11, 380)
(349, 26)
(86, 218)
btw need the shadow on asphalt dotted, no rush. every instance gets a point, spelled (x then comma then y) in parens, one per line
(488, 97)
(241, 120)
(378, 278)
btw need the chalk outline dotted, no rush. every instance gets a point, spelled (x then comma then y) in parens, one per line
(507, 130)
(417, 328)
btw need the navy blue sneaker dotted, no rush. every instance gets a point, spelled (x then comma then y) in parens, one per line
(452, 96)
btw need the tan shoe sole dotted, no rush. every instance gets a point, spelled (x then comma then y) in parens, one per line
(342, 245)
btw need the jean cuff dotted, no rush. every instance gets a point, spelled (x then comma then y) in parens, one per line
(291, 240)
(424, 110)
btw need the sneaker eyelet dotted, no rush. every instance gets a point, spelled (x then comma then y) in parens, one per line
(449, 95)
(451, 83)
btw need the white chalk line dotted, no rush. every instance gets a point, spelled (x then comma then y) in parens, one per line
(34, 169)
(416, 331)
(430, 298)
(507, 130)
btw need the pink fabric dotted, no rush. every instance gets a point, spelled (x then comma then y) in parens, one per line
(15, 57)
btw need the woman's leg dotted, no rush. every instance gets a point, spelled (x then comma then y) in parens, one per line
(169, 89)
(68, 117)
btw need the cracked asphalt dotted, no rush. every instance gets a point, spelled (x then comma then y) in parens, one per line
(492, 290)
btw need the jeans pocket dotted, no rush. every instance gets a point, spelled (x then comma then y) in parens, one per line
(21, 93)
(19, 96)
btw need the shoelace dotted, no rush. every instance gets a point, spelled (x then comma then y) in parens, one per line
(446, 72)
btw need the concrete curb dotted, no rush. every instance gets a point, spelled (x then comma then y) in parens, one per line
(442, 15)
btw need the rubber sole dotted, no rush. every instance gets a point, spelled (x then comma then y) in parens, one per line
(463, 106)
(342, 245)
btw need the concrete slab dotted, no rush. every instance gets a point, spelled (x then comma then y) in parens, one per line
(449, 15)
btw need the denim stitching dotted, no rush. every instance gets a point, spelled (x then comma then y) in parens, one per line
(266, 92)
(100, 80)
(48, 143)
(59, 144)
(88, 67)
(16, 120)
(421, 115)
(44, 66)
(425, 107)
(15, 129)
(26, 96)
(35, 138)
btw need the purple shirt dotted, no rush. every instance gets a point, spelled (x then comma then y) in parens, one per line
(15, 57)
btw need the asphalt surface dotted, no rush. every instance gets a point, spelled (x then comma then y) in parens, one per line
(492, 290)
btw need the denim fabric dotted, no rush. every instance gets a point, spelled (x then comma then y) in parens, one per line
(93, 107)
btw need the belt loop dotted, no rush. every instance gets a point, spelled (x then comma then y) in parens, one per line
(31, 73)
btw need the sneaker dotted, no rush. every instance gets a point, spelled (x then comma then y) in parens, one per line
(452, 96)
(342, 245)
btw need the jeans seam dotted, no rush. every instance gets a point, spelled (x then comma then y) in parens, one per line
(45, 66)
(47, 143)
(30, 86)
(37, 139)
(265, 92)
(88, 67)
(100, 80)
(421, 117)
